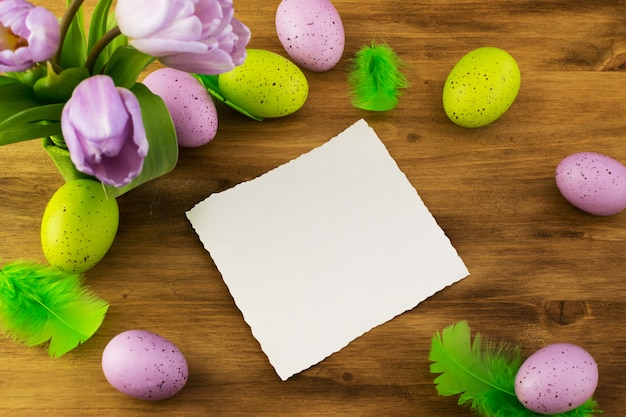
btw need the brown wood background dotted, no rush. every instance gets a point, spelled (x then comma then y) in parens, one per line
(541, 270)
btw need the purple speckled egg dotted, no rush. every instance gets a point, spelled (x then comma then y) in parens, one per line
(311, 31)
(144, 365)
(556, 379)
(593, 182)
(192, 109)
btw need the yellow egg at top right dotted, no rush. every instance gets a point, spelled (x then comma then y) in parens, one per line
(481, 87)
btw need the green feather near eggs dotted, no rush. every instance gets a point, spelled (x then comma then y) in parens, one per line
(376, 79)
(483, 374)
(40, 303)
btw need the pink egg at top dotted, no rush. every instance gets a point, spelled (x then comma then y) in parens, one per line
(311, 31)
(189, 103)
(556, 379)
(593, 182)
(144, 365)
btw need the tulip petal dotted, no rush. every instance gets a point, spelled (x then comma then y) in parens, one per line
(199, 36)
(138, 130)
(184, 29)
(99, 98)
(212, 62)
(120, 169)
(103, 129)
(43, 42)
(143, 18)
(215, 16)
(28, 35)
(165, 47)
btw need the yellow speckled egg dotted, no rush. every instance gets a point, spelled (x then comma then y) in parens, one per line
(481, 87)
(78, 225)
(266, 85)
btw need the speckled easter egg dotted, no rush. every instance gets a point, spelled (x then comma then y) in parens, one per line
(78, 225)
(144, 365)
(593, 182)
(311, 31)
(481, 87)
(190, 105)
(265, 85)
(556, 379)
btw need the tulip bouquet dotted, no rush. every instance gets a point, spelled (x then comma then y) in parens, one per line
(75, 88)
(78, 89)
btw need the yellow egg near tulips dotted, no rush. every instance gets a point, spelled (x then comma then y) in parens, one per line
(266, 85)
(79, 225)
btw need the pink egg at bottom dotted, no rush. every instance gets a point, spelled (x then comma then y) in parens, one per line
(556, 379)
(593, 182)
(190, 105)
(144, 365)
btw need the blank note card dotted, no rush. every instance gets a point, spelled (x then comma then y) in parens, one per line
(322, 249)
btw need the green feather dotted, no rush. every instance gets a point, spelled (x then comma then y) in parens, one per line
(41, 303)
(483, 374)
(376, 79)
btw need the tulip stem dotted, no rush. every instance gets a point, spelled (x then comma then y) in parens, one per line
(99, 47)
(66, 21)
(56, 68)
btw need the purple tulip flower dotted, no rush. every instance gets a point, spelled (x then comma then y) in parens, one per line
(199, 36)
(28, 35)
(104, 132)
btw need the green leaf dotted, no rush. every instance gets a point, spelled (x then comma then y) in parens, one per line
(31, 123)
(63, 160)
(98, 25)
(58, 88)
(15, 97)
(116, 43)
(5, 80)
(29, 132)
(163, 151)
(126, 64)
(46, 112)
(30, 76)
(102, 21)
(109, 50)
(23, 116)
(211, 83)
(74, 52)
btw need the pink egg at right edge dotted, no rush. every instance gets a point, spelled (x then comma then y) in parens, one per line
(190, 105)
(556, 379)
(593, 182)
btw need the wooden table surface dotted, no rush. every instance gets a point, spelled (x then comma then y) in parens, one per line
(542, 271)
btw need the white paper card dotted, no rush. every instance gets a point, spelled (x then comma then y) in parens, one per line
(322, 249)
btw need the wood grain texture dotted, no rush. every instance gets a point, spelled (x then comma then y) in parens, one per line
(541, 270)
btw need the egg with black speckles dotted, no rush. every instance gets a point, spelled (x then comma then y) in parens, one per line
(190, 105)
(144, 365)
(266, 85)
(312, 33)
(593, 182)
(556, 379)
(481, 87)
(78, 225)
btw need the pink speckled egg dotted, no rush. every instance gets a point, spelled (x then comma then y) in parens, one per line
(144, 365)
(311, 31)
(189, 103)
(556, 379)
(593, 182)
